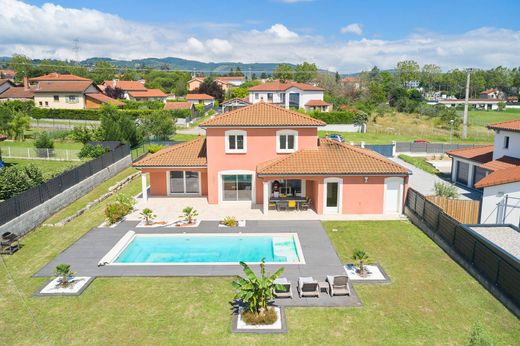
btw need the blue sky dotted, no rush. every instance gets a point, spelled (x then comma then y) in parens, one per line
(339, 35)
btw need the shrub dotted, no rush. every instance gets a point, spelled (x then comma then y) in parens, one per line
(153, 148)
(479, 336)
(189, 213)
(361, 257)
(267, 317)
(115, 212)
(83, 134)
(14, 180)
(181, 113)
(148, 215)
(43, 141)
(74, 114)
(446, 190)
(125, 200)
(230, 221)
(92, 151)
(60, 134)
(343, 117)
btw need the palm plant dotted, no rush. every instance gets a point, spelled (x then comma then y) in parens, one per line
(189, 213)
(64, 274)
(256, 291)
(361, 257)
(148, 215)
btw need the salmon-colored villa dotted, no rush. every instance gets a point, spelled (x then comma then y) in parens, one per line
(266, 155)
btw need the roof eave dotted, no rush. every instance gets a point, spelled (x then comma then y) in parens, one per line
(402, 174)
(168, 166)
(258, 126)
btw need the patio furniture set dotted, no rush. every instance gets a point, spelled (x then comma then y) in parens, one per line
(334, 285)
(9, 244)
(289, 203)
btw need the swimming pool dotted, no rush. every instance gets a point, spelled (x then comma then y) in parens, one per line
(205, 248)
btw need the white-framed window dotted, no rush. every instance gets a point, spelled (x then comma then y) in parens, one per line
(72, 99)
(236, 142)
(184, 182)
(286, 141)
(257, 96)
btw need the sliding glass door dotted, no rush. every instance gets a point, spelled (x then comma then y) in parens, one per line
(237, 187)
(184, 182)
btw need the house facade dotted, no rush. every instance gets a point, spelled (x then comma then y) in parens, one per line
(148, 95)
(495, 170)
(290, 95)
(204, 99)
(125, 86)
(262, 152)
(225, 82)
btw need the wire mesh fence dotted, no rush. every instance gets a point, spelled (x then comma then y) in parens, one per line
(40, 154)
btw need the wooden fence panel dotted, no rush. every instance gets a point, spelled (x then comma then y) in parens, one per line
(464, 211)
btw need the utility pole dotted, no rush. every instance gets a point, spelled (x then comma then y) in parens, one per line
(465, 123)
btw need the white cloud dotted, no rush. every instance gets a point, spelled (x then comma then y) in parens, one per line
(48, 31)
(219, 46)
(281, 32)
(353, 28)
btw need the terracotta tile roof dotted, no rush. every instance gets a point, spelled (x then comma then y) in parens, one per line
(199, 97)
(245, 100)
(489, 91)
(262, 114)
(511, 125)
(187, 154)
(45, 86)
(126, 85)
(177, 105)
(482, 153)
(313, 103)
(147, 93)
(17, 93)
(104, 99)
(59, 77)
(230, 79)
(331, 158)
(503, 176)
(280, 86)
(502, 163)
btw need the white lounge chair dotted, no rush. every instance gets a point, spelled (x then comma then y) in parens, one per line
(338, 285)
(308, 287)
(286, 292)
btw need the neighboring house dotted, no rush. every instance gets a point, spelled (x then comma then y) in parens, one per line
(288, 94)
(484, 104)
(5, 84)
(353, 83)
(7, 74)
(125, 86)
(58, 77)
(63, 95)
(203, 99)
(148, 95)
(492, 94)
(318, 105)
(494, 169)
(263, 151)
(236, 103)
(224, 82)
(95, 100)
(17, 93)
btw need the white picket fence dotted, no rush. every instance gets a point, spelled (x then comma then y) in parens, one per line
(40, 154)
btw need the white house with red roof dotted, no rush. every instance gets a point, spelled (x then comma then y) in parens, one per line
(290, 95)
(203, 99)
(494, 169)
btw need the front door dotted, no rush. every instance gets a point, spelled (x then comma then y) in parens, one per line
(332, 197)
(392, 199)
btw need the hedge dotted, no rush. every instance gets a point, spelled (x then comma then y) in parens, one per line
(89, 114)
(335, 117)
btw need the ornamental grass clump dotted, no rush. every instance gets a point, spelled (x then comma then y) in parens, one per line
(230, 221)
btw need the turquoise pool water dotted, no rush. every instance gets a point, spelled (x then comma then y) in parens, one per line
(193, 249)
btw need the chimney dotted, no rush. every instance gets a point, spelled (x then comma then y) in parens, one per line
(25, 83)
(114, 83)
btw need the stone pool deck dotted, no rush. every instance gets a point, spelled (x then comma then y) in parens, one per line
(320, 256)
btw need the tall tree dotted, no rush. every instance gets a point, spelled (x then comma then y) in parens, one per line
(283, 72)
(306, 72)
(407, 70)
(102, 71)
(22, 65)
(430, 75)
(118, 125)
(157, 125)
(210, 87)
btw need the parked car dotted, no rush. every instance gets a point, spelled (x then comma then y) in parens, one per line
(421, 141)
(336, 137)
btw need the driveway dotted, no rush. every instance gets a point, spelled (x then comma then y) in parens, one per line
(423, 182)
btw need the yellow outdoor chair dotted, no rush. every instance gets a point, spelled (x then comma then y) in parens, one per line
(292, 204)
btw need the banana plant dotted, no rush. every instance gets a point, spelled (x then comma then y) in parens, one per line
(256, 291)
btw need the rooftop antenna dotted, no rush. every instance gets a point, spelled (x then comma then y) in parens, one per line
(75, 49)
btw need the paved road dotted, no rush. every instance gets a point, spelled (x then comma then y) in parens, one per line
(423, 182)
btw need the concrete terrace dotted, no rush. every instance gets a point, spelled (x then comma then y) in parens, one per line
(170, 209)
(320, 257)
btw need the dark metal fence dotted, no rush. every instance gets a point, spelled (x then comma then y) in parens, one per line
(382, 149)
(430, 148)
(498, 267)
(27, 200)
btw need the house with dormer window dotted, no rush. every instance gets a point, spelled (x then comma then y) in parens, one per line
(271, 158)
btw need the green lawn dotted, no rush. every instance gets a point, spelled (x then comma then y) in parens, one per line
(49, 168)
(182, 137)
(420, 162)
(430, 300)
(483, 118)
(29, 143)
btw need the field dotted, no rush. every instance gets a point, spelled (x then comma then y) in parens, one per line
(431, 300)
(483, 118)
(49, 168)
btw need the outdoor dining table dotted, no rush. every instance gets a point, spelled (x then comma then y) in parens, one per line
(298, 200)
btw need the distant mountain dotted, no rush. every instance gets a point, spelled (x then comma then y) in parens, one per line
(187, 65)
